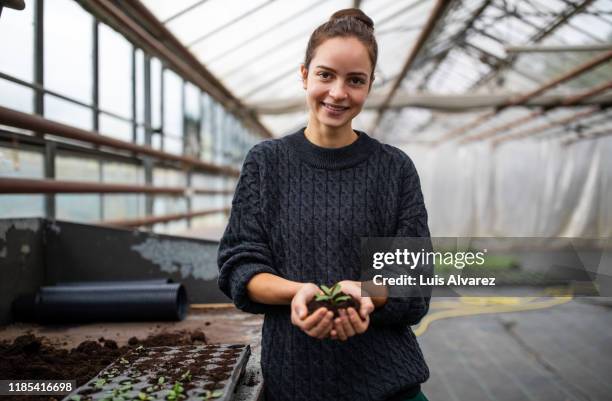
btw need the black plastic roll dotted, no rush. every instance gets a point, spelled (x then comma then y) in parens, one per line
(96, 303)
(151, 281)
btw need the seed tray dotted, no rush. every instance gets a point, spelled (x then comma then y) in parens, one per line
(149, 374)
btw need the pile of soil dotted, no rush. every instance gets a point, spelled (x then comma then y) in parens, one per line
(31, 357)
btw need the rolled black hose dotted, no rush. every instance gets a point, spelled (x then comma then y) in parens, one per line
(104, 302)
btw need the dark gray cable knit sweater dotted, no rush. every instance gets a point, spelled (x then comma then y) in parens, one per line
(299, 211)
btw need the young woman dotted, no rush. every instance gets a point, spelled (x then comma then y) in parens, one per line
(301, 205)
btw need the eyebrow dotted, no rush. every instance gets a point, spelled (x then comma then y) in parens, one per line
(350, 73)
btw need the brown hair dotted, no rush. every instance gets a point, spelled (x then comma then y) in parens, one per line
(350, 22)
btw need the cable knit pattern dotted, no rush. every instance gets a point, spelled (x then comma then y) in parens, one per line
(299, 211)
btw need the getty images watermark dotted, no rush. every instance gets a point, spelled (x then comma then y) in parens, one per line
(414, 267)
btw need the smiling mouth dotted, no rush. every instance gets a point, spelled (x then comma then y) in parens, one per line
(333, 107)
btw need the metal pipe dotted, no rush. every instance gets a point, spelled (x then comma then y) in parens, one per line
(569, 101)
(521, 99)
(607, 131)
(438, 11)
(36, 186)
(150, 220)
(448, 103)
(36, 123)
(557, 49)
(543, 127)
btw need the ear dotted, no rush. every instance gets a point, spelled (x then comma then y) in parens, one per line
(304, 74)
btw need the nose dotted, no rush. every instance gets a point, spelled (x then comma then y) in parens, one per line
(337, 91)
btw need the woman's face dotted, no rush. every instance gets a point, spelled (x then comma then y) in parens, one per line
(337, 81)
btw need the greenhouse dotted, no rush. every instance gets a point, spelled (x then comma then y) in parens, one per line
(175, 175)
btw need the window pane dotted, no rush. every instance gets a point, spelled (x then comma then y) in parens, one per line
(115, 72)
(123, 206)
(68, 113)
(156, 69)
(192, 120)
(19, 27)
(16, 97)
(68, 49)
(140, 89)
(206, 134)
(77, 207)
(113, 127)
(173, 93)
(24, 164)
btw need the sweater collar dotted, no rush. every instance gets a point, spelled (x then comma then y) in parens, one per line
(332, 158)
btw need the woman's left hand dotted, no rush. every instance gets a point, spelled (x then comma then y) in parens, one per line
(350, 321)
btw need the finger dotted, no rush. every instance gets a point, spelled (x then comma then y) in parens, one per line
(359, 324)
(349, 330)
(322, 328)
(326, 330)
(311, 321)
(333, 334)
(340, 329)
(367, 307)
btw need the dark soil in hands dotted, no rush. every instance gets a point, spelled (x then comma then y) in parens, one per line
(335, 308)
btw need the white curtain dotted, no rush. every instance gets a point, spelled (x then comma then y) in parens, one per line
(528, 188)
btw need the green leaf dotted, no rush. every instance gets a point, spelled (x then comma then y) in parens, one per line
(99, 383)
(123, 361)
(149, 389)
(143, 396)
(216, 394)
(76, 397)
(321, 297)
(336, 289)
(326, 290)
(161, 380)
(342, 298)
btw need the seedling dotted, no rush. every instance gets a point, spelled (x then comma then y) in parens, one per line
(332, 299)
(210, 395)
(161, 380)
(176, 392)
(333, 295)
(99, 383)
(75, 397)
(144, 397)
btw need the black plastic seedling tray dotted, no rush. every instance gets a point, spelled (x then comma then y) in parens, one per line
(180, 373)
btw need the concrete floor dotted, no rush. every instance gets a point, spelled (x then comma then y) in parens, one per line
(562, 352)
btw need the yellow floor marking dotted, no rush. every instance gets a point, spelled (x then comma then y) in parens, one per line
(469, 306)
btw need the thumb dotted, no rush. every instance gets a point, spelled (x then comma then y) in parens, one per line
(299, 311)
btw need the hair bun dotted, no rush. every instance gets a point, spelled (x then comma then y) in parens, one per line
(353, 13)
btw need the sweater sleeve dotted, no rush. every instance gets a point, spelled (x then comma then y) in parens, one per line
(412, 222)
(244, 248)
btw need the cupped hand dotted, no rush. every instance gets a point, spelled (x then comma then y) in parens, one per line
(318, 324)
(350, 321)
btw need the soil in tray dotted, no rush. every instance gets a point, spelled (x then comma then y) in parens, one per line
(154, 373)
(30, 357)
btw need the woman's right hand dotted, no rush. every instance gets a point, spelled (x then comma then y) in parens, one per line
(318, 324)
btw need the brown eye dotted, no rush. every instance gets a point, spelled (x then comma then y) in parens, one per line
(357, 81)
(324, 74)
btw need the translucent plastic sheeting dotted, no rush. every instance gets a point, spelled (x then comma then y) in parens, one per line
(529, 188)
